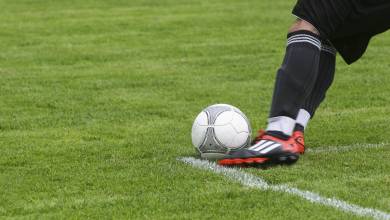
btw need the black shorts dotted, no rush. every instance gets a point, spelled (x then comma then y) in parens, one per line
(347, 24)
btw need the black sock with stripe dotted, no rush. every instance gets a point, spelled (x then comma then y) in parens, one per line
(324, 80)
(294, 80)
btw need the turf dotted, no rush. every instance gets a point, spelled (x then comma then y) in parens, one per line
(98, 98)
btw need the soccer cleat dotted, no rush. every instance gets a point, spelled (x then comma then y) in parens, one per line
(267, 149)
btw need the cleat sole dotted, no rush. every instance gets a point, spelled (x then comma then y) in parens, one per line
(286, 159)
(243, 161)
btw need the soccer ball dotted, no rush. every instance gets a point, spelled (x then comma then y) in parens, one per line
(219, 129)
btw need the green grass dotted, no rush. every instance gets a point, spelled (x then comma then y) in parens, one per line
(98, 99)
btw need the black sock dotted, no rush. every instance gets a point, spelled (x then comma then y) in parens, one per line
(296, 77)
(324, 79)
(299, 127)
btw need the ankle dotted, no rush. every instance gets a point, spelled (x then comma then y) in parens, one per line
(299, 127)
(278, 134)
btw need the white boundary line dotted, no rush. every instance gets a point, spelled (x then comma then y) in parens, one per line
(346, 148)
(250, 180)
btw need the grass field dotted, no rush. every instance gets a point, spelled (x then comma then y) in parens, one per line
(97, 100)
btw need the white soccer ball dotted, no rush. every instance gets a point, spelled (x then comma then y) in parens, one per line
(219, 129)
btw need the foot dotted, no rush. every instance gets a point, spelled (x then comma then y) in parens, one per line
(267, 149)
(298, 136)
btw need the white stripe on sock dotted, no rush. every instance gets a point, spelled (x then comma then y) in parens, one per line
(304, 35)
(305, 41)
(316, 41)
(299, 38)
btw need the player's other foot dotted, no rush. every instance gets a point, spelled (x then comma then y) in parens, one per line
(267, 149)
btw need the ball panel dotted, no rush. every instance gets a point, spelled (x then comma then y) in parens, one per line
(224, 118)
(241, 140)
(239, 123)
(210, 144)
(198, 134)
(199, 129)
(202, 119)
(243, 115)
(225, 135)
(214, 110)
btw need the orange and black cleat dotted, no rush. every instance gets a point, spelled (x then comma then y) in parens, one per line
(267, 149)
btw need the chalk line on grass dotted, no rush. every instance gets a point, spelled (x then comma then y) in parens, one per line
(346, 148)
(250, 180)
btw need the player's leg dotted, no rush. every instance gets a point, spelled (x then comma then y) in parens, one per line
(295, 78)
(324, 80)
(337, 21)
